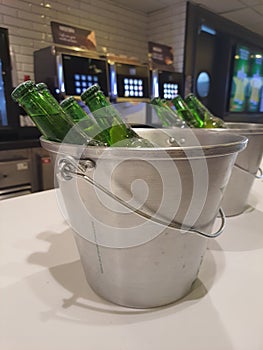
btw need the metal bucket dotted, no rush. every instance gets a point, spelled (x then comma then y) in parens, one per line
(246, 168)
(142, 216)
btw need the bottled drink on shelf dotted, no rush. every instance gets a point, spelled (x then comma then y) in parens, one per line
(167, 116)
(185, 113)
(199, 110)
(72, 108)
(119, 134)
(49, 117)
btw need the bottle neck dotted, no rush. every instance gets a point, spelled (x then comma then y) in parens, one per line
(97, 101)
(35, 104)
(196, 104)
(179, 103)
(49, 97)
(75, 111)
(159, 102)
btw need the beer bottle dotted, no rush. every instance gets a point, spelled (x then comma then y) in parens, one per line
(94, 141)
(199, 110)
(167, 116)
(119, 134)
(85, 121)
(184, 112)
(49, 118)
(43, 89)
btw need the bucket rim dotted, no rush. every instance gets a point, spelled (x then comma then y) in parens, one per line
(243, 128)
(236, 143)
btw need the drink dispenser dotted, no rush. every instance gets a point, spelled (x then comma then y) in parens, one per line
(68, 72)
(129, 86)
(166, 84)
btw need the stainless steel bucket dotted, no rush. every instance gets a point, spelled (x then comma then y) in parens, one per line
(142, 216)
(246, 168)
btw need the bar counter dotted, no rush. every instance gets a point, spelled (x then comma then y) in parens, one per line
(46, 303)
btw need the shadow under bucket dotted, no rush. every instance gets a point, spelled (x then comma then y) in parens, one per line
(142, 216)
(246, 168)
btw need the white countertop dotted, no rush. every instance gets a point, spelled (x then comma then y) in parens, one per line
(46, 304)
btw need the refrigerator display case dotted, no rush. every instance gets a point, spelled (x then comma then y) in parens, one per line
(68, 72)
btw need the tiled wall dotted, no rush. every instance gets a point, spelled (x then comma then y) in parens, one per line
(167, 26)
(120, 30)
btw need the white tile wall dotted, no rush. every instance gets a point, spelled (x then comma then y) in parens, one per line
(167, 26)
(120, 30)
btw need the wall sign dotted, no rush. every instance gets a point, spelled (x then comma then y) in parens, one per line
(65, 34)
(160, 55)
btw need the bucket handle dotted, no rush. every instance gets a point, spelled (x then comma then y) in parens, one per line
(68, 168)
(258, 175)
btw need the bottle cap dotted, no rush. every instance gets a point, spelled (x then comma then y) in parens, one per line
(190, 96)
(67, 102)
(156, 101)
(41, 86)
(21, 89)
(177, 98)
(90, 91)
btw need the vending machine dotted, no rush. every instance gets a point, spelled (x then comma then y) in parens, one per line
(129, 88)
(129, 82)
(166, 84)
(69, 72)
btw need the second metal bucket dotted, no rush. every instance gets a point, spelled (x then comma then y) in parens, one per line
(142, 216)
(246, 168)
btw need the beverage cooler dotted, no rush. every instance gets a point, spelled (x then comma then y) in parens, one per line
(130, 89)
(68, 72)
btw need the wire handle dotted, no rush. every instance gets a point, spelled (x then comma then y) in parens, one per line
(68, 168)
(260, 176)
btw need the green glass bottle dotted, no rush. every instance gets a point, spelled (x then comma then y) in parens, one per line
(199, 110)
(119, 134)
(84, 120)
(184, 112)
(82, 127)
(167, 116)
(50, 119)
(43, 89)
